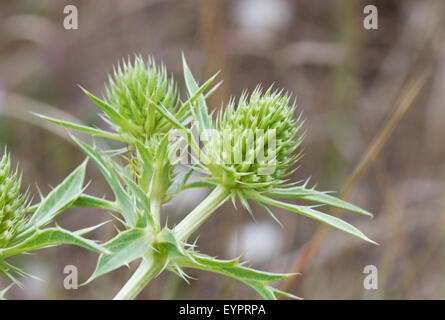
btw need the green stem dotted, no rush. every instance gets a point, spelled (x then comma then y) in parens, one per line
(149, 268)
(155, 209)
(157, 191)
(195, 218)
(152, 265)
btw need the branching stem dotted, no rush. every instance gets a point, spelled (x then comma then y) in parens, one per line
(149, 268)
(195, 218)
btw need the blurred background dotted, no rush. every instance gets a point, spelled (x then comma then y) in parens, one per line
(374, 107)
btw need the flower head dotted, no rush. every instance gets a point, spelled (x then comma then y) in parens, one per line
(133, 89)
(13, 205)
(258, 140)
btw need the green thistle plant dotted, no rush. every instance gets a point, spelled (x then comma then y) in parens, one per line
(13, 205)
(132, 91)
(144, 111)
(261, 126)
(270, 111)
(20, 233)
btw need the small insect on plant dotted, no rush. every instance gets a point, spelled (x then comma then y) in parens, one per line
(244, 153)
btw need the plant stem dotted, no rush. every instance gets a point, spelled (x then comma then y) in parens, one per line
(195, 218)
(149, 268)
(155, 209)
(152, 264)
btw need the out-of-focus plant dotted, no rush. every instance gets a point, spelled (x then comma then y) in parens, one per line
(246, 154)
(21, 233)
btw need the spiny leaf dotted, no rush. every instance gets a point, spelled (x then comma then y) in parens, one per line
(147, 166)
(257, 280)
(303, 193)
(7, 270)
(86, 129)
(126, 208)
(112, 113)
(182, 130)
(269, 292)
(59, 198)
(84, 231)
(200, 112)
(142, 199)
(311, 213)
(87, 201)
(167, 243)
(4, 291)
(125, 247)
(197, 94)
(50, 237)
(170, 117)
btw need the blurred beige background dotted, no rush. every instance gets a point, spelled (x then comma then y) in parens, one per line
(374, 107)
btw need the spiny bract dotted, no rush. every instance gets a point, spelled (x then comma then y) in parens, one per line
(13, 205)
(132, 91)
(263, 140)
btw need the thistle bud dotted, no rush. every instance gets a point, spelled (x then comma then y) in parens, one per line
(261, 134)
(13, 205)
(134, 88)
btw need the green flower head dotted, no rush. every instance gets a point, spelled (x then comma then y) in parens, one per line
(13, 205)
(259, 140)
(133, 89)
